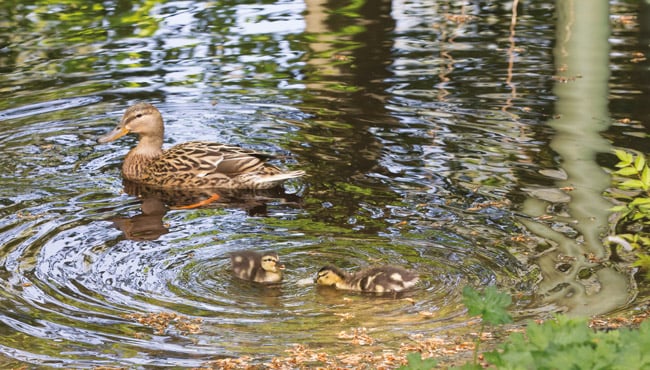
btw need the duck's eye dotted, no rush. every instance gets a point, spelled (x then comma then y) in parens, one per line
(138, 115)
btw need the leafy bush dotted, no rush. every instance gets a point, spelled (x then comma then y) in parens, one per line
(416, 362)
(560, 343)
(491, 305)
(633, 176)
(565, 343)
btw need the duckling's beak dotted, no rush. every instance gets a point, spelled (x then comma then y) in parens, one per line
(280, 266)
(117, 133)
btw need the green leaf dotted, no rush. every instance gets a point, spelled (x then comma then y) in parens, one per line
(415, 362)
(645, 209)
(643, 261)
(645, 177)
(632, 184)
(565, 343)
(620, 208)
(640, 201)
(468, 366)
(639, 163)
(645, 240)
(628, 237)
(491, 305)
(624, 157)
(627, 171)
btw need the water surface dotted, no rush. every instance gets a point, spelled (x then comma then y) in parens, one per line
(438, 136)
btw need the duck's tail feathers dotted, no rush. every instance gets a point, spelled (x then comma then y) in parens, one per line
(278, 178)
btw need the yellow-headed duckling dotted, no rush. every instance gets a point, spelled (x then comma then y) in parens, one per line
(259, 267)
(381, 279)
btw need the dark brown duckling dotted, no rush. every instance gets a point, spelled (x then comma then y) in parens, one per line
(380, 279)
(258, 267)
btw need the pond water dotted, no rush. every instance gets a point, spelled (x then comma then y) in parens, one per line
(443, 136)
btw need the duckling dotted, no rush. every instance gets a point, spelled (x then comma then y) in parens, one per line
(258, 267)
(380, 279)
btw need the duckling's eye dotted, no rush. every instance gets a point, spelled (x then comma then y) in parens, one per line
(138, 115)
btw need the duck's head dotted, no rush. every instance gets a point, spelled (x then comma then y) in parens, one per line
(329, 276)
(271, 263)
(143, 119)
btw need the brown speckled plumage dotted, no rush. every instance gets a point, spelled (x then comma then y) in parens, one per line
(194, 164)
(380, 279)
(257, 267)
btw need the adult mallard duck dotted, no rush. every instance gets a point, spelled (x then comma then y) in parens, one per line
(195, 164)
(380, 279)
(257, 267)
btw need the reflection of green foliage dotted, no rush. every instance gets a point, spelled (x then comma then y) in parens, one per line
(204, 212)
(306, 226)
(633, 178)
(353, 30)
(343, 87)
(146, 25)
(351, 10)
(349, 188)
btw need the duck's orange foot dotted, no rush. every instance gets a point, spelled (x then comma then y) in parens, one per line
(213, 198)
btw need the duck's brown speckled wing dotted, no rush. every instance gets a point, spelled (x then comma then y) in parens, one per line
(203, 156)
(202, 163)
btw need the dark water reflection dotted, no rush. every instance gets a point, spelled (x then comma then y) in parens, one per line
(430, 133)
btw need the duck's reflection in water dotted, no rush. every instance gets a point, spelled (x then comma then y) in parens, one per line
(149, 224)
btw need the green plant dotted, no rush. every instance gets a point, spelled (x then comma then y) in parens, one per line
(565, 343)
(491, 306)
(416, 362)
(633, 176)
(560, 343)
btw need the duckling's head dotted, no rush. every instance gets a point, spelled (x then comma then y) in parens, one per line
(143, 119)
(271, 263)
(329, 276)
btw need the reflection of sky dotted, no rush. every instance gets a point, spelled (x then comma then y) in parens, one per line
(280, 18)
(409, 15)
(184, 39)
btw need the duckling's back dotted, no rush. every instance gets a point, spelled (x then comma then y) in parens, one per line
(386, 279)
(248, 265)
(245, 264)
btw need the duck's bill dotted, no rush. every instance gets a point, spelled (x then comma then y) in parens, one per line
(113, 135)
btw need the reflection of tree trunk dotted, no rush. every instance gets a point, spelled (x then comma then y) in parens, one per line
(573, 277)
(346, 80)
(315, 24)
(351, 78)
